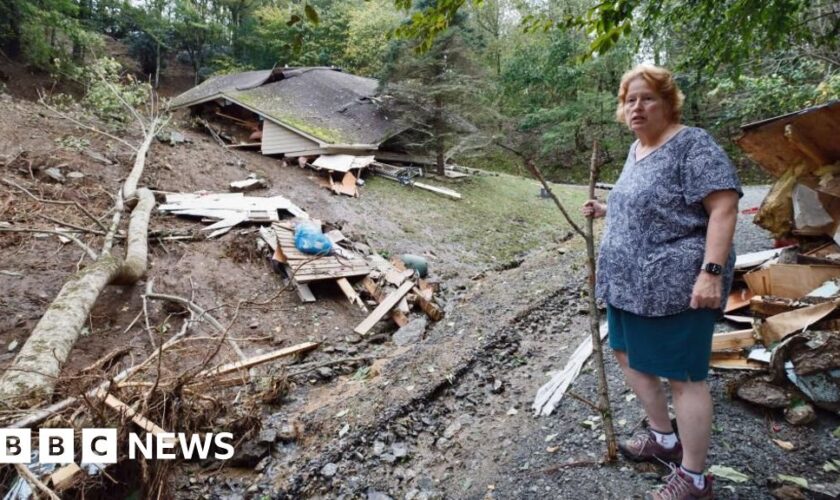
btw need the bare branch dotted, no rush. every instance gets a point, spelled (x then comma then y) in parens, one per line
(56, 202)
(90, 253)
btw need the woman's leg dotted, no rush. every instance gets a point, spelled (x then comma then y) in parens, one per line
(651, 394)
(693, 404)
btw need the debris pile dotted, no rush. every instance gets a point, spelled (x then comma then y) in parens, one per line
(229, 209)
(789, 296)
(392, 287)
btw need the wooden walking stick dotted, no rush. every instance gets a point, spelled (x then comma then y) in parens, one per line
(603, 405)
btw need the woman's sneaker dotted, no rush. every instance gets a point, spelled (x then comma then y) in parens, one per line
(678, 486)
(643, 448)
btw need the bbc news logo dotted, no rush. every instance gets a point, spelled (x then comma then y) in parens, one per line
(57, 446)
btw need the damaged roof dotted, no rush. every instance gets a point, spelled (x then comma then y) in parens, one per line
(783, 142)
(217, 85)
(326, 104)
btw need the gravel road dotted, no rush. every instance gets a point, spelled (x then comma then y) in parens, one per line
(748, 236)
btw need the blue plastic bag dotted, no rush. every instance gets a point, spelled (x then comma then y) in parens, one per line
(310, 240)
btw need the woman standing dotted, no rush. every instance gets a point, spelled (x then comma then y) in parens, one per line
(664, 269)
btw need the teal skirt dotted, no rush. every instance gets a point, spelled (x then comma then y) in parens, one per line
(676, 347)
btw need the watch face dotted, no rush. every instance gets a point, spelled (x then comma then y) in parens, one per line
(713, 268)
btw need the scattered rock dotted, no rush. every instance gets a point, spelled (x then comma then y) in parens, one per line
(802, 414)
(263, 464)
(329, 470)
(763, 393)
(788, 492)
(325, 373)
(248, 454)
(75, 176)
(254, 325)
(13, 345)
(410, 333)
(378, 448)
(388, 458)
(54, 174)
(399, 449)
(497, 387)
(353, 338)
(452, 429)
(267, 436)
(377, 495)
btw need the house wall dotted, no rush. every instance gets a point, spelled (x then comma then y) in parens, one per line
(277, 139)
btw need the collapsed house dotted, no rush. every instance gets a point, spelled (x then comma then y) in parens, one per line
(314, 116)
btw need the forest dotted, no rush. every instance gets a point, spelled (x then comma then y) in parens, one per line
(545, 72)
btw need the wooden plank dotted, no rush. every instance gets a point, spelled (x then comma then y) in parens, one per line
(549, 395)
(256, 360)
(789, 280)
(373, 289)
(768, 305)
(120, 407)
(309, 278)
(244, 145)
(736, 364)
(351, 294)
(382, 309)
(431, 309)
(449, 193)
(738, 299)
(733, 340)
(348, 185)
(65, 477)
(397, 278)
(735, 318)
(302, 289)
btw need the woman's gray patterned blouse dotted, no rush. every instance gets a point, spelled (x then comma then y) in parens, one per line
(655, 238)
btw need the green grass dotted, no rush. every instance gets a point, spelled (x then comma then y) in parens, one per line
(498, 218)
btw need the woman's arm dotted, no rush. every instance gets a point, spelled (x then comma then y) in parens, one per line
(722, 207)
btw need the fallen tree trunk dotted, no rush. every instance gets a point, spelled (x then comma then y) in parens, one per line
(129, 190)
(137, 255)
(33, 373)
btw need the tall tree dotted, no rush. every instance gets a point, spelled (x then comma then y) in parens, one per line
(435, 91)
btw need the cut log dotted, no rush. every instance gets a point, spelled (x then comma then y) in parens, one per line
(431, 309)
(383, 308)
(137, 255)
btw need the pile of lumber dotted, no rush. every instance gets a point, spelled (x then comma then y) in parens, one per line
(381, 288)
(229, 209)
(789, 299)
(394, 290)
(303, 269)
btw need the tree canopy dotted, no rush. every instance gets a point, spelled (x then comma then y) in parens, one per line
(474, 71)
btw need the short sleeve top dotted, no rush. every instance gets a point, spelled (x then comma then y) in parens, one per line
(655, 236)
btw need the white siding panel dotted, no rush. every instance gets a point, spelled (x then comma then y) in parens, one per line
(277, 139)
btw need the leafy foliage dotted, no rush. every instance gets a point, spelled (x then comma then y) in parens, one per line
(109, 93)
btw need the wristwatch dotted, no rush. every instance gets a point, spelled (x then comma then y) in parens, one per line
(713, 268)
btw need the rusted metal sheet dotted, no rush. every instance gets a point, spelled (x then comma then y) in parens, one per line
(808, 137)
